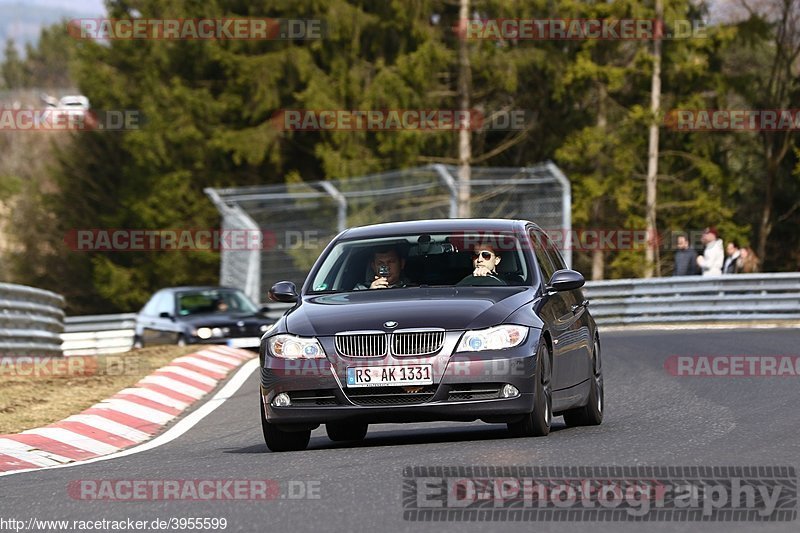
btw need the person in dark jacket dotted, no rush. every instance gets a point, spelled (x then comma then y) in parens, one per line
(685, 258)
(732, 264)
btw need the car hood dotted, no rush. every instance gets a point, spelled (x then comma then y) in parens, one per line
(453, 308)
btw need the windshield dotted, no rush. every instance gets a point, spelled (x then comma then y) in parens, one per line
(214, 301)
(441, 259)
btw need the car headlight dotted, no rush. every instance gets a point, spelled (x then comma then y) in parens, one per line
(496, 338)
(291, 347)
(207, 333)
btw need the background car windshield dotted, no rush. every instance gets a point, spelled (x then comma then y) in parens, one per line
(430, 260)
(212, 301)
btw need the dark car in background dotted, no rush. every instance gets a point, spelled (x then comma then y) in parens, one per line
(201, 315)
(440, 341)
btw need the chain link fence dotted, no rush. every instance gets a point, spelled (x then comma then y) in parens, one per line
(296, 221)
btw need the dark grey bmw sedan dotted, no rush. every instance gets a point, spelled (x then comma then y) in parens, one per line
(461, 320)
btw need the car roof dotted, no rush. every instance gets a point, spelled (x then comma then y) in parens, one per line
(435, 225)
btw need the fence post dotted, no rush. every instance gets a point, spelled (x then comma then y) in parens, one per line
(341, 203)
(566, 210)
(448, 180)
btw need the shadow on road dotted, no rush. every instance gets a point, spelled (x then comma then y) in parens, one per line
(399, 437)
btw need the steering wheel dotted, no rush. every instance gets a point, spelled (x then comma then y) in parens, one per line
(481, 280)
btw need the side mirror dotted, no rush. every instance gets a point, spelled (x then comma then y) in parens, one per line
(566, 280)
(164, 314)
(283, 291)
(264, 310)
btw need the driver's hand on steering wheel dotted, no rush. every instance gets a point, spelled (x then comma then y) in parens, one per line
(482, 270)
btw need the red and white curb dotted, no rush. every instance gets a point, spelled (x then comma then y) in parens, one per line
(130, 417)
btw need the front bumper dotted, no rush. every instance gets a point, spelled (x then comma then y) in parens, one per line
(466, 387)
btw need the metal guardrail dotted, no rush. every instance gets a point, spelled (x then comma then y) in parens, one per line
(739, 298)
(31, 321)
(98, 334)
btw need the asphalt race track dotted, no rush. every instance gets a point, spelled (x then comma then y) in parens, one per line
(652, 418)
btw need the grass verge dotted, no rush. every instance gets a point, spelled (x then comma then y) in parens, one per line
(39, 392)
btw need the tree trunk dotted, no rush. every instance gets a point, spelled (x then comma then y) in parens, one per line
(765, 224)
(464, 132)
(652, 152)
(599, 255)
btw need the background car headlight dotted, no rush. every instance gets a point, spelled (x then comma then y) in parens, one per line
(207, 333)
(291, 347)
(220, 332)
(496, 338)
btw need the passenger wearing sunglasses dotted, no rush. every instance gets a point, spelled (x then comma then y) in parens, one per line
(485, 261)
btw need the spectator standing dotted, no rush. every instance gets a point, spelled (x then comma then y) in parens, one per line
(748, 261)
(685, 258)
(713, 257)
(732, 264)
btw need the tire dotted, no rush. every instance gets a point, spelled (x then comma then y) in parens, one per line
(346, 431)
(537, 423)
(181, 340)
(590, 414)
(137, 343)
(278, 440)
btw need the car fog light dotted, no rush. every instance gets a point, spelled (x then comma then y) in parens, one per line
(281, 400)
(509, 391)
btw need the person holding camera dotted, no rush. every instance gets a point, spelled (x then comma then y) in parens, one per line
(387, 265)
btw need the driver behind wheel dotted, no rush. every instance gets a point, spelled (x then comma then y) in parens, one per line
(485, 260)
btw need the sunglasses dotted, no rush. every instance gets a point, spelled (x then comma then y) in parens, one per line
(486, 255)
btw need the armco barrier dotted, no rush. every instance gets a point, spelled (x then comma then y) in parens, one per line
(98, 334)
(739, 298)
(31, 321)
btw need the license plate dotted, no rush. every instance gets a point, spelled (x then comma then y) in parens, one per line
(377, 376)
(244, 342)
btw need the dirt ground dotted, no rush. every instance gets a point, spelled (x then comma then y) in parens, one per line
(37, 392)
